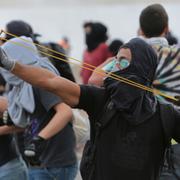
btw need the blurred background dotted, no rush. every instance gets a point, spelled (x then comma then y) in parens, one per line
(55, 19)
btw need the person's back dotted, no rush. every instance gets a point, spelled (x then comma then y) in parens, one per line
(154, 27)
(167, 75)
(56, 153)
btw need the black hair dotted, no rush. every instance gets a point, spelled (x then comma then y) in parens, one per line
(19, 28)
(96, 35)
(114, 46)
(153, 20)
(172, 40)
(87, 24)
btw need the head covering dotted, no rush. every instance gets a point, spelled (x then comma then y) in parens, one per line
(21, 98)
(20, 28)
(135, 104)
(114, 46)
(96, 35)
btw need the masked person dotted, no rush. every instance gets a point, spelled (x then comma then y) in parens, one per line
(42, 115)
(97, 50)
(131, 145)
(96, 78)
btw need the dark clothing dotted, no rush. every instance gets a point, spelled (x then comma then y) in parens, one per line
(7, 149)
(125, 151)
(62, 66)
(144, 59)
(59, 150)
(167, 74)
(136, 104)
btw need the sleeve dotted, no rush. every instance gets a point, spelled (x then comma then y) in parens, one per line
(176, 134)
(47, 99)
(91, 99)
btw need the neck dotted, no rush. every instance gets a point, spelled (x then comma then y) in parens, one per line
(160, 40)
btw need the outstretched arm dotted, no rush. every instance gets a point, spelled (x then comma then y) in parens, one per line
(47, 80)
(67, 90)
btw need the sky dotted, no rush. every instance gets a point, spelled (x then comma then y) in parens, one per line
(54, 19)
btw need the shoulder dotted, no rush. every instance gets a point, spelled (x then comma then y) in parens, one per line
(91, 98)
(174, 51)
(90, 90)
(103, 46)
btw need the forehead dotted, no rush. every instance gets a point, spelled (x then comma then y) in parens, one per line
(124, 52)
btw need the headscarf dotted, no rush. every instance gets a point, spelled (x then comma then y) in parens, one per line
(136, 105)
(21, 101)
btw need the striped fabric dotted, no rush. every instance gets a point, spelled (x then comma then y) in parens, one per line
(167, 77)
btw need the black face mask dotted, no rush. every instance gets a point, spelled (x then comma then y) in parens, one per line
(91, 42)
(123, 95)
(136, 105)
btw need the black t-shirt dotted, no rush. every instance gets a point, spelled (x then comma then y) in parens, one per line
(59, 150)
(124, 152)
(7, 149)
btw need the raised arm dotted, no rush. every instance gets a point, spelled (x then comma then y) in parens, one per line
(43, 78)
(96, 78)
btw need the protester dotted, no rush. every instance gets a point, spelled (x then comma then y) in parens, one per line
(97, 50)
(44, 116)
(154, 27)
(22, 28)
(127, 148)
(12, 165)
(96, 78)
(155, 31)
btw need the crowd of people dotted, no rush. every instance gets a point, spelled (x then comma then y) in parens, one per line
(130, 92)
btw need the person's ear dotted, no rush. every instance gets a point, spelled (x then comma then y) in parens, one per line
(140, 32)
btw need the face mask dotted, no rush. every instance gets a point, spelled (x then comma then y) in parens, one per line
(116, 65)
